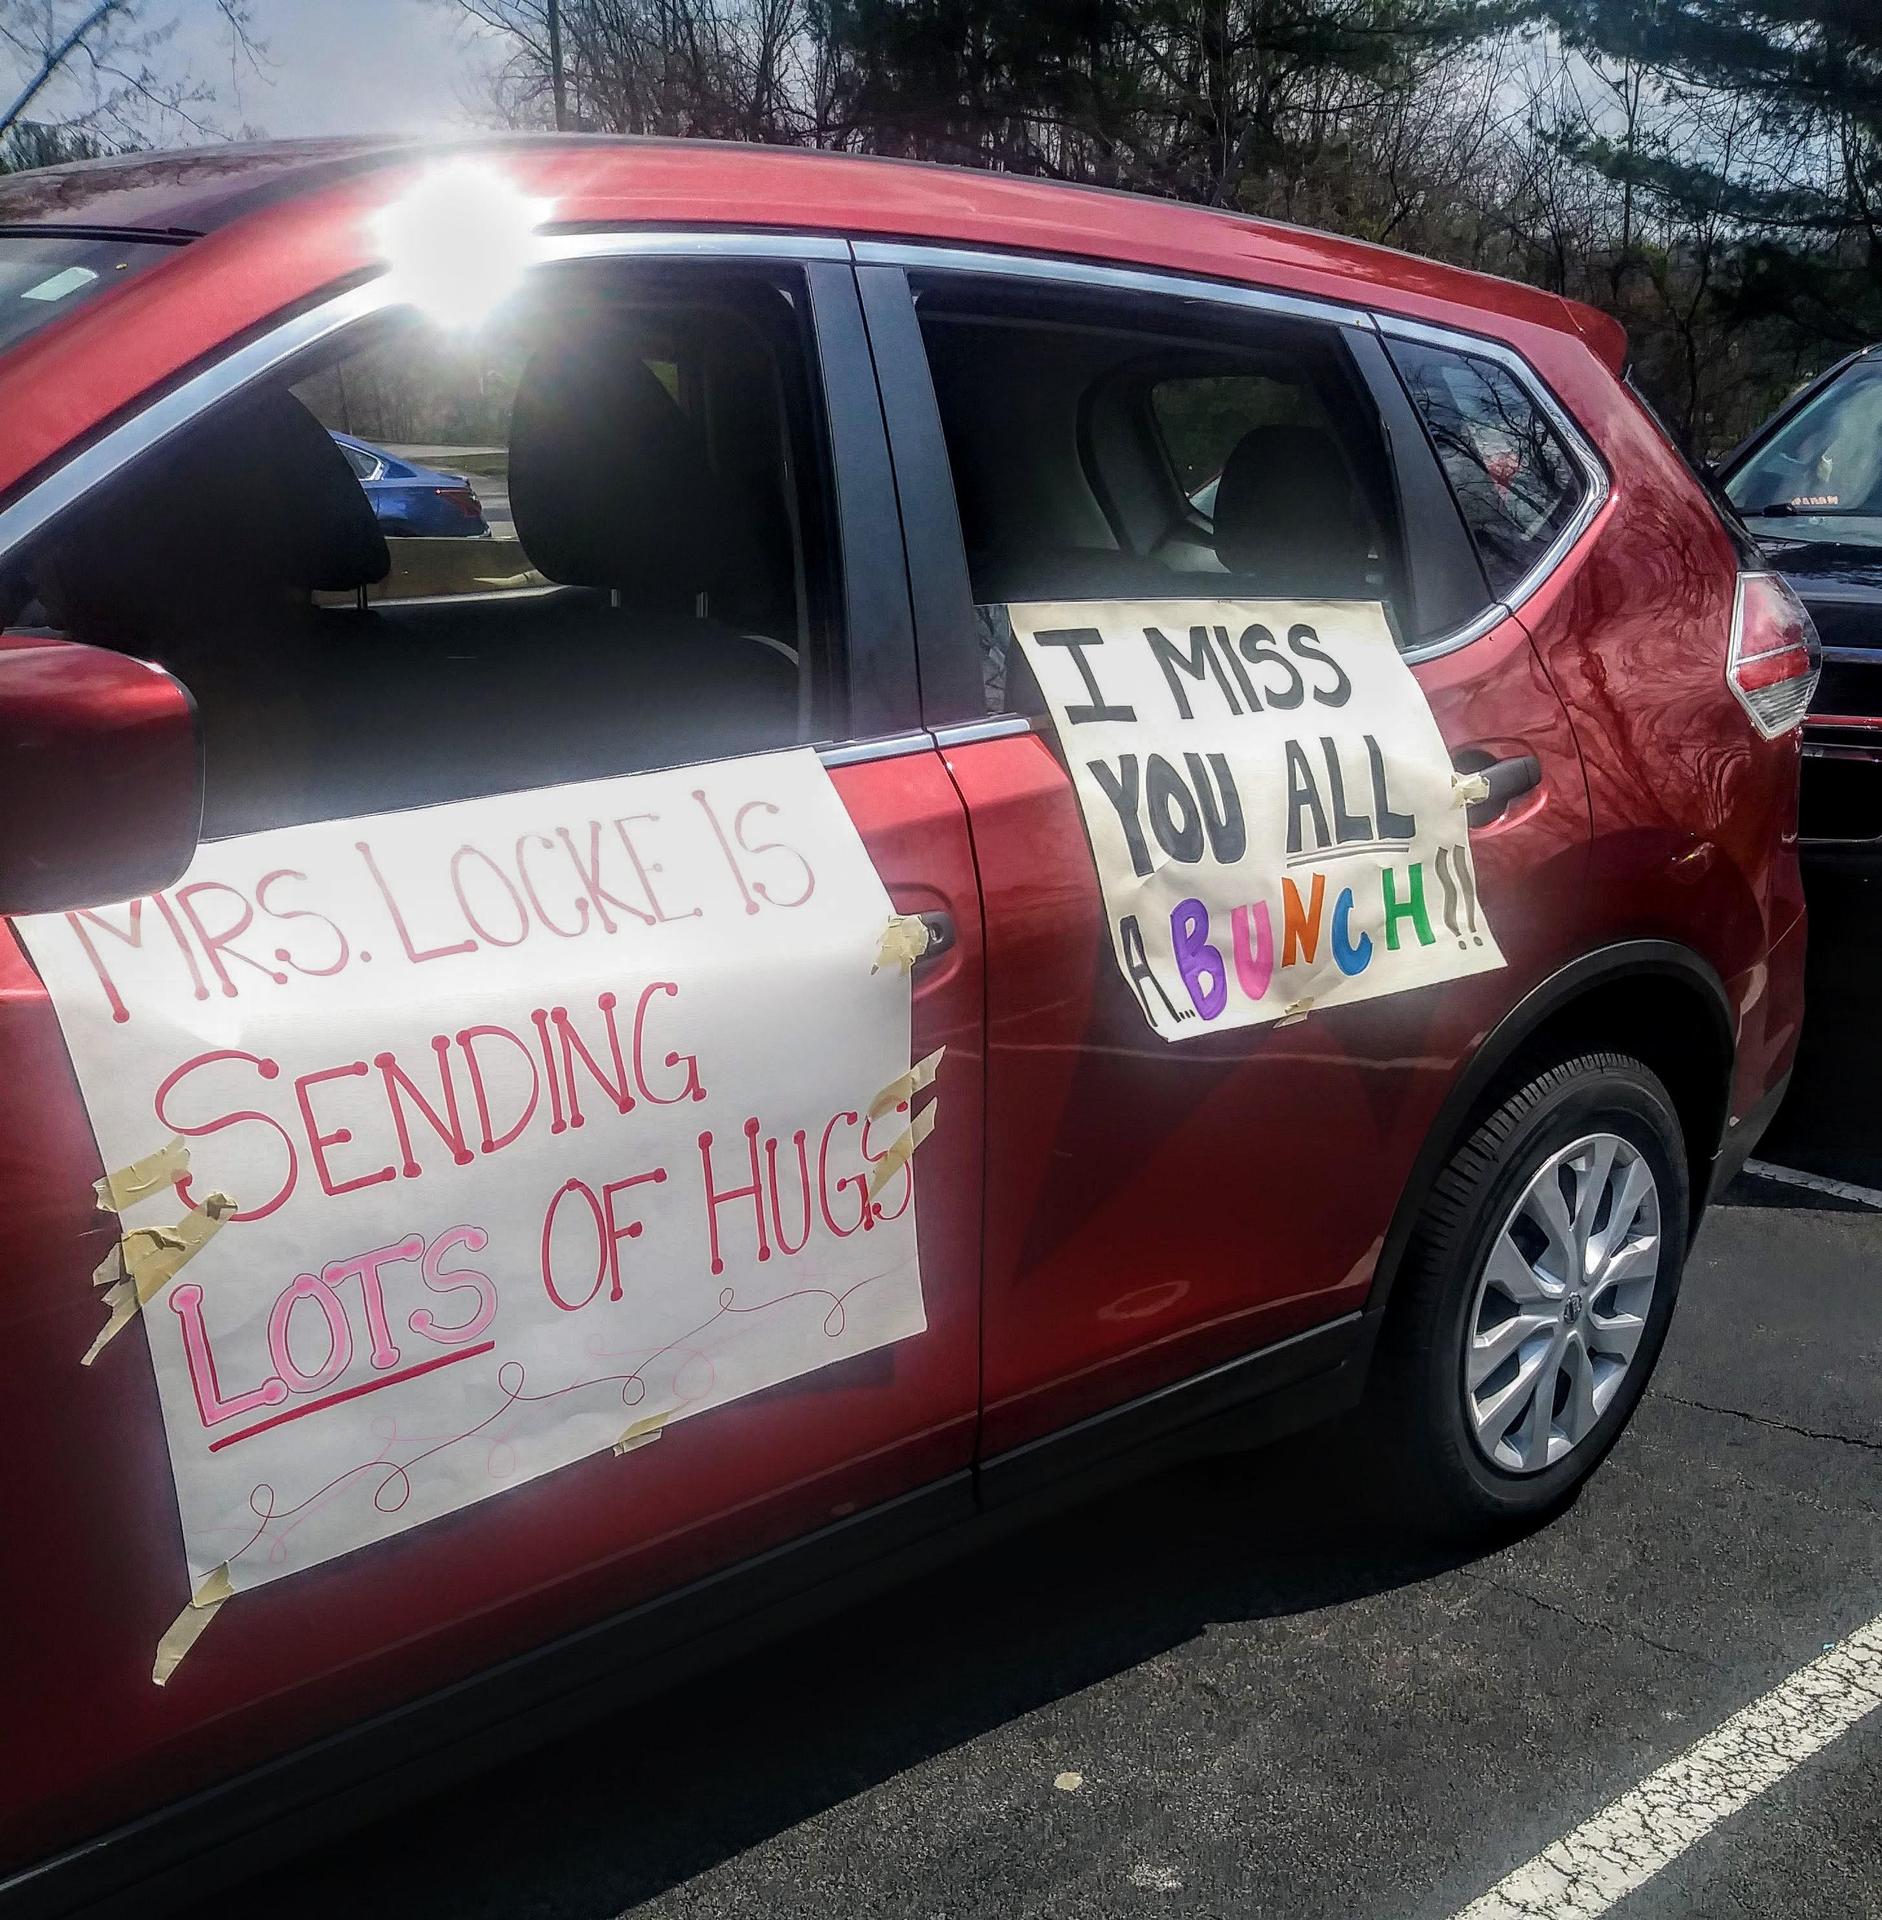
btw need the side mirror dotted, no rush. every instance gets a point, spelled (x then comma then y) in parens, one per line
(101, 789)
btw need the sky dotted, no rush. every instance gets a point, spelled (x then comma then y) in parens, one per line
(334, 66)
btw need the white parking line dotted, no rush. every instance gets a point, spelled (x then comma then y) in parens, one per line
(1816, 1182)
(1651, 1825)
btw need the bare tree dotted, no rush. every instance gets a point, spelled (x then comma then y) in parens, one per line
(108, 73)
(1648, 156)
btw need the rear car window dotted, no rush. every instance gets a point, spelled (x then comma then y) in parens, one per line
(1202, 420)
(1515, 482)
(42, 280)
(1110, 449)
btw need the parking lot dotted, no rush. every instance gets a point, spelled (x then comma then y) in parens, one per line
(1235, 1690)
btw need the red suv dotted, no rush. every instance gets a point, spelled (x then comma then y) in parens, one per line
(1240, 764)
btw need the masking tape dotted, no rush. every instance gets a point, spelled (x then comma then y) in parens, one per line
(187, 1628)
(901, 1147)
(144, 1177)
(904, 940)
(1298, 1011)
(920, 1075)
(643, 1433)
(133, 1254)
(146, 1260)
(1469, 789)
(122, 1300)
(152, 1256)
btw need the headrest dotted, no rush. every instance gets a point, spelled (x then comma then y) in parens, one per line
(1286, 512)
(610, 483)
(254, 505)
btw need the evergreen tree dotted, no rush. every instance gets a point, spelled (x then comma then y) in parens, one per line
(1769, 127)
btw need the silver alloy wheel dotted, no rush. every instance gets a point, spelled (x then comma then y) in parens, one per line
(1562, 1303)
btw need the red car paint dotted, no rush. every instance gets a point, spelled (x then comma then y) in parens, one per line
(1120, 1257)
(1126, 1244)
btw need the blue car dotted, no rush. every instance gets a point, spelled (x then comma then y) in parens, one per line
(410, 501)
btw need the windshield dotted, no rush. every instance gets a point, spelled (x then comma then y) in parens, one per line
(1819, 477)
(44, 278)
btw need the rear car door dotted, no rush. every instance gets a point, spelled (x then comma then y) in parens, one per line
(1206, 1213)
(1483, 453)
(696, 560)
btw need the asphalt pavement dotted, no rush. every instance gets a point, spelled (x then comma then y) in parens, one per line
(1238, 1690)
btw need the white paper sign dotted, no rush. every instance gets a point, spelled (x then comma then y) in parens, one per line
(545, 1118)
(1269, 802)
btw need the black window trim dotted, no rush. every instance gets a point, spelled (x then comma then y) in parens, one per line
(1441, 559)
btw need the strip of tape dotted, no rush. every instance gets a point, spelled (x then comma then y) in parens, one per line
(643, 1433)
(1469, 789)
(142, 1178)
(189, 1625)
(901, 1147)
(904, 940)
(146, 1260)
(920, 1075)
(152, 1256)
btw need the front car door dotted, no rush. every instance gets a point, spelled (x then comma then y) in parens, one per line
(695, 561)
(1207, 1210)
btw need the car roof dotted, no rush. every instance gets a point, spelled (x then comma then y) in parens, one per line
(254, 231)
(181, 195)
(601, 178)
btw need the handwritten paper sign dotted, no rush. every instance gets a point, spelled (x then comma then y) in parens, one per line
(544, 1120)
(1269, 803)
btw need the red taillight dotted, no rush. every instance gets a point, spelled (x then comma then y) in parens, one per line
(461, 498)
(1774, 660)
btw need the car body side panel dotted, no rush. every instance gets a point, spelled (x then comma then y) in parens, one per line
(1694, 814)
(1151, 1209)
(94, 1546)
(1154, 1208)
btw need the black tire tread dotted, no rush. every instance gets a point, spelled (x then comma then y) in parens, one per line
(1414, 1323)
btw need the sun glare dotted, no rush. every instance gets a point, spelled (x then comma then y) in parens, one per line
(459, 241)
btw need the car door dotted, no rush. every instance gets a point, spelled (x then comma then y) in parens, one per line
(1205, 1212)
(490, 669)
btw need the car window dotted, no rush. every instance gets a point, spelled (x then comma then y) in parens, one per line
(1516, 483)
(1104, 449)
(44, 277)
(1203, 418)
(365, 464)
(602, 544)
(1819, 476)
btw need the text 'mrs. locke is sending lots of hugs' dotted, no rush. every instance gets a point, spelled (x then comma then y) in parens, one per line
(512, 1128)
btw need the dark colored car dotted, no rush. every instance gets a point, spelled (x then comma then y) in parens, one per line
(1808, 484)
(410, 501)
(335, 917)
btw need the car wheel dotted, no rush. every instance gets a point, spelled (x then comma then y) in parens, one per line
(1534, 1296)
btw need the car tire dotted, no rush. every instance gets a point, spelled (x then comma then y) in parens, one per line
(1458, 1338)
